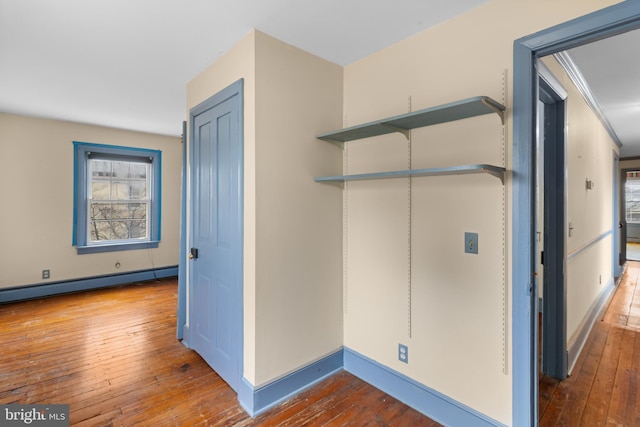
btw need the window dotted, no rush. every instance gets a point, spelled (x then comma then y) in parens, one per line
(116, 198)
(632, 197)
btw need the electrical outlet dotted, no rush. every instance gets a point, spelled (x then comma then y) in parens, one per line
(46, 274)
(403, 353)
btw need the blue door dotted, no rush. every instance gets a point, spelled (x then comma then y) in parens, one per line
(215, 279)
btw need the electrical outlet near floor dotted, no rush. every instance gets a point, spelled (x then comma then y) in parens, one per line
(403, 353)
(46, 274)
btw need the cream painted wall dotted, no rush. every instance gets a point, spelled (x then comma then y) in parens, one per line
(293, 226)
(36, 177)
(590, 153)
(455, 315)
(298, 221)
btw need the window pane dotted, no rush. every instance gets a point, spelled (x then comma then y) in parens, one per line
(100, 211)
(138, 210)
(138, 190)
(101, 168)
(120, 190)
(120, 230)
(632, 196)
(100, 190)
(138, 229)
(120, 170)
(118, 207)
(120, 211)
(100, 231)
(139, 170)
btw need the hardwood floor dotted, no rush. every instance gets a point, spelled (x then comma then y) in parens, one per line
(112, 355)
(604, 387)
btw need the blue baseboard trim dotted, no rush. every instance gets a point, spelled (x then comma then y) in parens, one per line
(430, 402)
(84, 284)
(258, 400)
(575, 347)
(186, 336)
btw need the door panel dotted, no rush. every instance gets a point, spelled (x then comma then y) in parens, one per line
(216, 274)
(553, 164)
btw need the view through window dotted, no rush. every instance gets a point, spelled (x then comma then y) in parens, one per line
(118, 202)
(117, 198)
(632, 197)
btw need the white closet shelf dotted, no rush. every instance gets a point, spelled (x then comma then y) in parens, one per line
(457, 110)
(496, 171)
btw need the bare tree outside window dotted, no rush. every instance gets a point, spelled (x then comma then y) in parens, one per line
(119, 200)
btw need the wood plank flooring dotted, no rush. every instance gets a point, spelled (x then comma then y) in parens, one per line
(604, 387)
(112, 355)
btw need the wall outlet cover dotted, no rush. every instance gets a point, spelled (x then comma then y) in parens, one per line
(471, 243)
(403, 353)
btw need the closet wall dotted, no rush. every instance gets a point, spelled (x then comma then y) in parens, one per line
(292, 226)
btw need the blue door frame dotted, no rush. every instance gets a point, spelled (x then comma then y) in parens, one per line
(605, 23)
(617, 220)
(554, 301)
(182, 264)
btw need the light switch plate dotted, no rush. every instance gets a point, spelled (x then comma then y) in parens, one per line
(471, 243)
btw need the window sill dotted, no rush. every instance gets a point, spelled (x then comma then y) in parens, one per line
(113, 247)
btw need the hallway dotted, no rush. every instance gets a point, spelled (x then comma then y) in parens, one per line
(604, 386)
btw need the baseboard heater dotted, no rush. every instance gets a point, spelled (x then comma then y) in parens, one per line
(26, 292)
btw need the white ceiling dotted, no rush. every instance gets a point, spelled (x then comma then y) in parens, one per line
(611, 69)
(126, 63)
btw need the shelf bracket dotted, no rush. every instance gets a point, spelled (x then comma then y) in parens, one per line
(499, 175)
(340, 184)
(334, 142)
(403, 131)
(494, 108)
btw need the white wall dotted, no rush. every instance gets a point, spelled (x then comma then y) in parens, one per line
(36, 218)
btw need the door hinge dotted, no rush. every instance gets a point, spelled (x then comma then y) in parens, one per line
(542, 257)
